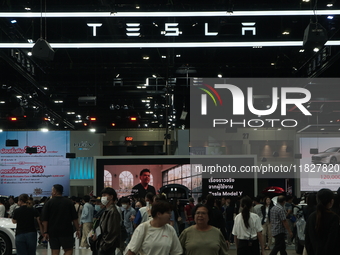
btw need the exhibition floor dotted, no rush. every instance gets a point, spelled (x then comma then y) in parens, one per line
(232, 251)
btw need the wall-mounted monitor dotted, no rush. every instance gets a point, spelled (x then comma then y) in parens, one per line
(122, 173)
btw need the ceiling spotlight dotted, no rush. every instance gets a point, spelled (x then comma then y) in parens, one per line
(13, 21)
(29, 40)
(285, 33)
(155, 24)
(316, 49)
(137, 7)
(305, 1)
(146, 57)
(219, 75)
(330, 17)
(27, 8)
(92, 130)
(44, 130)
(29, 53)
(301, 50)
(329, 5)
(154, 76)
(117, 75)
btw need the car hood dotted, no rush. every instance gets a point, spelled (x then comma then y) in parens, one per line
(7, 223)
(324, 154)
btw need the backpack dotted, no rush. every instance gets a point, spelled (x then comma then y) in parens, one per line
(293, 217)
(300, 226)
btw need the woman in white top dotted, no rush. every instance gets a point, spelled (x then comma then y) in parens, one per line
(155, 236)
(247, 230)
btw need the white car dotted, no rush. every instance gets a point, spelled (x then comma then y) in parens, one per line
(7, 236)
(329, 156)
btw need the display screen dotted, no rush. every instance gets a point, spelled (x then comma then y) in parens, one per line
(34, 173)
(122, 174)
(319, 165)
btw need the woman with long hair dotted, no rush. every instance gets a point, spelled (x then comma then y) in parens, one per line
(216, 216)
(265, 221)
(311, 205)
(202, 238)
(322, 228)
(247, 230)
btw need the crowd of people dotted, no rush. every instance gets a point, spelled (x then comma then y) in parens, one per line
(151, 224)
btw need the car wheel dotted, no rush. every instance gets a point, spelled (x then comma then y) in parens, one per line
(333, 161)
(5, 244)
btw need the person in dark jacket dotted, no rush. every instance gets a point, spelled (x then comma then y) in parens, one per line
(310, 207)
(322, 228)
(109, 223)
(216, 216)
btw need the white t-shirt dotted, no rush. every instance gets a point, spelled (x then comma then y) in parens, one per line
(244, 233)
(144, 214)
(160, 241)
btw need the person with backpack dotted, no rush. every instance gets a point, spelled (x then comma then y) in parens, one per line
(189, 220)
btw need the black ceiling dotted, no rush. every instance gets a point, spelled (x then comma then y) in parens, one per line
(116, 76)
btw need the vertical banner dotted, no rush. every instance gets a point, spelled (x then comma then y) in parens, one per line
(34, 173)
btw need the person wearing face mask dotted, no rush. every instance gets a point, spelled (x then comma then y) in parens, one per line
(142, 214)
(127, 213)
(108, 232)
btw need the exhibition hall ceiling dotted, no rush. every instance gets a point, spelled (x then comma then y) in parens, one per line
(117, 60)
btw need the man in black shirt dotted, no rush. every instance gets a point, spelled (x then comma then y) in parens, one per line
(26, 233)
(57, 217)
(143, 187)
